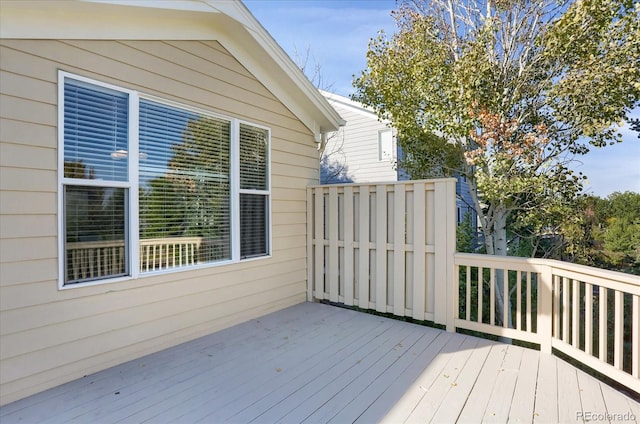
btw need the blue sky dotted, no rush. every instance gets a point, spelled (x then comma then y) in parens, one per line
(336, 34)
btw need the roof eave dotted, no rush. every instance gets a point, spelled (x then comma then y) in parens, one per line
(228, 22)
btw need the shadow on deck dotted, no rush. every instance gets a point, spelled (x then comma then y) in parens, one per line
(317, 363)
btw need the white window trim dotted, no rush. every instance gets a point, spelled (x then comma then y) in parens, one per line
(392, 155)
(266, 192)
(133, 184)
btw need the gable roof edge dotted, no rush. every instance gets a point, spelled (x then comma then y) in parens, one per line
(229, 22)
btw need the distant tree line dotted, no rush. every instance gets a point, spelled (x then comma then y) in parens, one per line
(599, 232)
(605, 233)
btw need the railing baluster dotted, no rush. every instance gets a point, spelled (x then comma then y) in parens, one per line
(529, 311)
(480, 290)
(575, 314)
(588, 318)
(468, 294)
(519, 300)
(565, 309)
(618, 322)
(492, 296)
(556, 305)
(602, 324)
(506, 303)
(635, 339)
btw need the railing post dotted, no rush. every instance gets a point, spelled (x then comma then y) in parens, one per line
(545, 308)
(446, 297)
(452, 270)
(309, 244)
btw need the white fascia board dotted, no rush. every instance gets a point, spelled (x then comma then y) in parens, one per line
(310, 93)
(356, 107)
(228, 22)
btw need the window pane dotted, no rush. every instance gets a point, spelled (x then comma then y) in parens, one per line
(253, 158)
(95, 132)
(385, 145)
(184, 188)
(253, 225)
(95, 239)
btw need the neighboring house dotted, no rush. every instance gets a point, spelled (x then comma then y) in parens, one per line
(366, 150)
(154, 160)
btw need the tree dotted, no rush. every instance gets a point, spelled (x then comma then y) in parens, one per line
(505, 93)
(514, 88)
(605, 232)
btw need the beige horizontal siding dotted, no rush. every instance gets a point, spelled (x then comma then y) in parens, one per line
(22, 156)
(28, 133)
(18, 299)
(23, 179)
(51, 336)
(27, 202)
(28, 226)
(13, 274)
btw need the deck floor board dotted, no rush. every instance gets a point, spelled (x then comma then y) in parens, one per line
(317, 363)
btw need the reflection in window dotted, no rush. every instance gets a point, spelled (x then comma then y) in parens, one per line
(95, 126)
(95, 233)
(181, 209)
(184, 188)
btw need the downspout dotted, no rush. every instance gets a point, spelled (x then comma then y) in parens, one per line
(321, 142)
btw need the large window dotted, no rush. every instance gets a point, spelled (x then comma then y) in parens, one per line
(148, 186)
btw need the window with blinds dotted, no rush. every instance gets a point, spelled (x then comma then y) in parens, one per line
(95, 130)
(184, 187)
(174, 167)
(254, 191)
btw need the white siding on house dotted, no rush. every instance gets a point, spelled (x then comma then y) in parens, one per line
(356, 146)
(49, 336)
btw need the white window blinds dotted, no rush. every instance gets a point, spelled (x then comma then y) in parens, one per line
(141, 170)
(95, 130)
(254, 191)
(184, 187)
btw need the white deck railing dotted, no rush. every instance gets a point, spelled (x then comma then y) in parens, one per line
(391, 248)
(93, 259)
(162, 253)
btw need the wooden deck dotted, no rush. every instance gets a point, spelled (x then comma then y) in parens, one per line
(316, 363)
